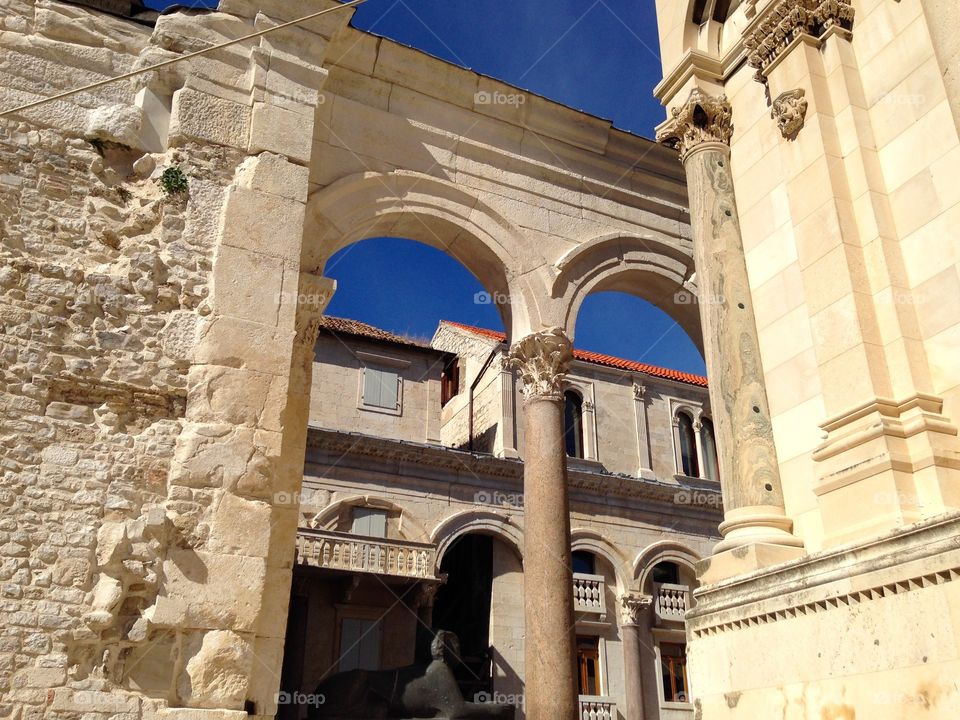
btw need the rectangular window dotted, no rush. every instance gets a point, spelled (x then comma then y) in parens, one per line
(369, 522)
(381, 389)
(673, 666)
(359, 644)
(588, 665)
(449, 381)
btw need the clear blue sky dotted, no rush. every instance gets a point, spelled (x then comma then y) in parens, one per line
(599, 56)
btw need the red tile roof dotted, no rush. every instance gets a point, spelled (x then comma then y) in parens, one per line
(355, 327)
(600, 359)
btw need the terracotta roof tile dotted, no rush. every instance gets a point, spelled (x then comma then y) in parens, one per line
(355, 327)
(601, 359)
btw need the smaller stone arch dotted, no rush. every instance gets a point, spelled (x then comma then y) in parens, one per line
(487, 522)
(662, 551)
(594, 542)
(654, 268)
(410, 528)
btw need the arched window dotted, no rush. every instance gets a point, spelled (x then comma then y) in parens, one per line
(573, 423)
(708, 444)
(688, 446)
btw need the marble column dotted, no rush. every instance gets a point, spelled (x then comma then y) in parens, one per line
(542, 360)
(701, 129)
(633, 609)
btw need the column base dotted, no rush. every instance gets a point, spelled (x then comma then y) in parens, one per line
(760, 524)
(743, 560)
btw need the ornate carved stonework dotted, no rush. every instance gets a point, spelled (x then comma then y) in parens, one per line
(639, 391)
(790, 111)
(313, 297)
(703, 118)
(542, 359)
(786, 20)
(630, 607)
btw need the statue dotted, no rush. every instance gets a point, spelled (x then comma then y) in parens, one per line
(416, 691)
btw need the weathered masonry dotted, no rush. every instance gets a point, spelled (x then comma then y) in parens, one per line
(157, 343)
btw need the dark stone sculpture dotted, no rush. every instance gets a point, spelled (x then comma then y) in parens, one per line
(416, 691)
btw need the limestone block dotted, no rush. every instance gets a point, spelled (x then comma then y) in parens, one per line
(411, 68)
(282, 131)
(87, 701)
(112, 543)
(213, 455)
(326, 25)
(242, 344)
(274, 174)
(247, 285)
(178, 338)
(203, 117)
(240, 527)
(354, 49)
(217, 591)
(199, 714)
(276, 603)
(237, 396)
(265, 685)
(116, 123)
(217, 670)
(263, 223)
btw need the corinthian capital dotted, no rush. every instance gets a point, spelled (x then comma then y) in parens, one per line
(542, 359)
(703, 118)
(313, 296)
(631, 607)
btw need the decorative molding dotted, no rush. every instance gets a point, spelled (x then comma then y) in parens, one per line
(630, 607)
(314, 294)
(639, 391)
(790, 111)
(542, 359)
(784, 21)
(701, 119)
(836, 602)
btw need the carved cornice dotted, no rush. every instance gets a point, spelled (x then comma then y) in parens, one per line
(542, 359)
(790, 111)
(630, 607)
(784, 21)
(702, 118)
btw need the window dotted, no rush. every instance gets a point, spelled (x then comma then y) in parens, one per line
(588, 665)
(359, 644)
(673, 670)
(369, 522)
(449, 381)
(688, 446)
(666, 572)
(381, 389)
(583, 562)
(708, 443)
(573, 423)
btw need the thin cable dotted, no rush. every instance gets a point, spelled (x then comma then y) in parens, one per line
(181, 58)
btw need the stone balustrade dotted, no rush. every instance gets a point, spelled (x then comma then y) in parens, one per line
(593, 707)
(589, 594)
(671, 602)
(356, 553)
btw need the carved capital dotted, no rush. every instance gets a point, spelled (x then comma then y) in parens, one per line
(639, 391)
(703, 118)
(313, 296)
(790, 111)
(630, 607)
(785, 20)
(427, 592)
(588, 406)
(542, 359)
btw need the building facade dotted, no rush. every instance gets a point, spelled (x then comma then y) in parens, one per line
(406, 529)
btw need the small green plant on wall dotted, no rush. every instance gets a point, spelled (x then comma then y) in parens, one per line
(173, 181)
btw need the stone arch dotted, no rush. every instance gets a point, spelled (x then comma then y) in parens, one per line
(592, 541)
(652, 268)
(487, 522)
(430, 210)
(663, 550)
(411, 528)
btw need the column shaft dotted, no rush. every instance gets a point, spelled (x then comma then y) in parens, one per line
(632, 676)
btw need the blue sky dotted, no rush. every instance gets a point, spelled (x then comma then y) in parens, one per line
(599, 56)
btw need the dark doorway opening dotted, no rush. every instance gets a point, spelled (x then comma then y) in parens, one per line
(462, 606)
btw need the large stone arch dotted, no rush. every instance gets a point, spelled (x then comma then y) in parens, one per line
(430, 210)
(592, 541)
(413, 529)
(499, 525)
(660, 551)
(655, 269)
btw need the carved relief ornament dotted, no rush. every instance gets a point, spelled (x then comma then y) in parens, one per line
(790, 111)
(703, 118)
(542, 359)
(785, 20)
(630, 607)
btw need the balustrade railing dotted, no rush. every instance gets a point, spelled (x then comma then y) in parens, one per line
(593, 707)
(357, 553)
(672, 602)
(588, 594)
